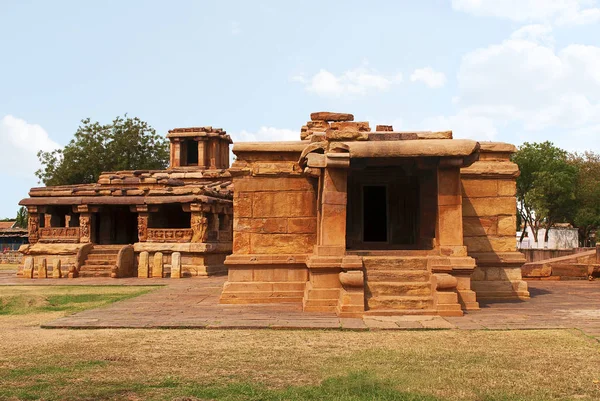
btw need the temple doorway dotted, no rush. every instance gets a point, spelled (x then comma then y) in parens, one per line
(114, 225)
(375, 213)
(390, 207)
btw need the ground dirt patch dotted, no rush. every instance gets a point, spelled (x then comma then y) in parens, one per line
(152, 364)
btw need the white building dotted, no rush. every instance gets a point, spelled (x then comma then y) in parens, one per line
(558, 238)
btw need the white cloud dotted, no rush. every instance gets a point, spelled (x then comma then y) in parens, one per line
(429, 77)
(539, 33)
(266, 134)
(560, 12)
(19, 143)
(359, 81)
(530, 88)
(464, 124)
(235, 28)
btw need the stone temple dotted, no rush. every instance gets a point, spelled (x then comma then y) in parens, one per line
(345, 220)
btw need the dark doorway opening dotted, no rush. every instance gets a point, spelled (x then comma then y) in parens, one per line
(115, 225)
(375, 214)
(192, 153)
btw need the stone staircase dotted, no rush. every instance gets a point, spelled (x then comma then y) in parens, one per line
(100, 261)
(398, 285)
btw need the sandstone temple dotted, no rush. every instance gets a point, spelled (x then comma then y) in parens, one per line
(346, 219)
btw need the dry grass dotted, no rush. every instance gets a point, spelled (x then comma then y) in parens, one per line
(269, 364)
(9, 266)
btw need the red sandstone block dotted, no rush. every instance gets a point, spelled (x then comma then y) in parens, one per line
(479, 188)
(241, 242)
(242, 204)
(450, 225)
(284, 204)
(493, 206)
(302, 225)
(282, 243)
(330, 116)
(274, 184)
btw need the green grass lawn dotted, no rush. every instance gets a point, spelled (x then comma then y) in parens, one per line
(24, 299)
(150, 364)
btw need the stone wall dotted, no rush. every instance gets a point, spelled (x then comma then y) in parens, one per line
(489, 222)
(11, 257)
(274, 215)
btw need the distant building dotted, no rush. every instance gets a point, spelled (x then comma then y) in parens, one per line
(11, 237)
(562, 236)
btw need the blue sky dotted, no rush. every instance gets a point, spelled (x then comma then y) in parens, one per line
(502, 70)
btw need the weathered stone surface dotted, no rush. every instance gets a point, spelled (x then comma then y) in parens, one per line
(480, 226)
(28, 267)
(56, 268)
(361, 126)
(384, 128)
(144, 265)
(261, 225)
(302, 225)
(157, 265)
(42, 269)
(284, 204)
(346, 135)
(176, 265)
(490, 244)
(282, 243)
(330, 116)
(489, 206)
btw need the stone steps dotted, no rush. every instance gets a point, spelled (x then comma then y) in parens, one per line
(398, 276)
(398, 285)
(374, 263)
(100, 261)
(400, 302)
(399, 288)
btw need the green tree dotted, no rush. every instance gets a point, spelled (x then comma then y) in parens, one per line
(22, 218)
(587, 213)
(546, 186)
(125, 144)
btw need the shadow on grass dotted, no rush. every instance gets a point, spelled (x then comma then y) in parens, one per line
(357, 386)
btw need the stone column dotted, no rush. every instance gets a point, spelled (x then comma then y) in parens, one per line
(175, 153)
(224, 154)
(449, 226)
(202, 152)
(449, 234)
(85, 223)
(33, 226)
(332, 225)
(212, 153)
(489, 216)
(198, 221)
(47, 220)
(142, 226)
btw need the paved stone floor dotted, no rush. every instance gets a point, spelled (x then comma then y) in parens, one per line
(193, 303)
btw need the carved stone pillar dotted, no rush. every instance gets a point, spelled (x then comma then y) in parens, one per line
(47, 220)
(213, 153)
(202, 152)
(33, 227)
(85, 225)
(175, 153)
(199, 224)
(142, 226)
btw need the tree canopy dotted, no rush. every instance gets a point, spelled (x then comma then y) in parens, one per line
(124, 144)
(556, 186)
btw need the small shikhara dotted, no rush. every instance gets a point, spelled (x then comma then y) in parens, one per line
(346, 219)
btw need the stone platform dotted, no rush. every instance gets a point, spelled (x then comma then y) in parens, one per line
(194, 303)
